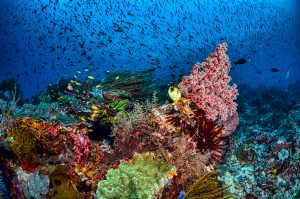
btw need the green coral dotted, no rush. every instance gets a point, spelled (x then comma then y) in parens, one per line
(139, 179)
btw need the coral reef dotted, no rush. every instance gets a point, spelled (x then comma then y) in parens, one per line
(100, 138)
(263, 160)
(34, 185)
(50, 112)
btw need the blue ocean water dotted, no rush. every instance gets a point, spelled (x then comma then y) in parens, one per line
(43, 41)
(51, 47)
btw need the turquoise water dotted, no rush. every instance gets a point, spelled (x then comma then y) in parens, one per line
(94, 82)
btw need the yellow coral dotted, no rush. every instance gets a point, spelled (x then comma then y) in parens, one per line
(24, 145)
(207, 187)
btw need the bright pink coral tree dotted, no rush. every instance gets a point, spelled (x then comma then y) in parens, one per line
(208, 85)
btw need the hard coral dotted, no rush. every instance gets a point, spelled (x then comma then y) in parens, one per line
(208, 85)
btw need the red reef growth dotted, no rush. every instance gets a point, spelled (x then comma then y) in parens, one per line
(210, 137)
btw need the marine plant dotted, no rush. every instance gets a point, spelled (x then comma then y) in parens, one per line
(207, 187)
(189, 162)
(135, 86)
(10, 90)
(139, 178)
(208, 87)
(210, 137)
(100, 107)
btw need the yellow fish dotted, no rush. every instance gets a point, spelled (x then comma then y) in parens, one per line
(79, 72)
(117, 77)
(96, 111)
(77, 83)
(94, 107)
(98, 85)
(70, 87)
(91, 77)
(86, 69)
(94, 115)
(82, 118)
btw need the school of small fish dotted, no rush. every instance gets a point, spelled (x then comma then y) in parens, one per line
(42, 40)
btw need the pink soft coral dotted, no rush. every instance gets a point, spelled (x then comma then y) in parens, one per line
(208, 86)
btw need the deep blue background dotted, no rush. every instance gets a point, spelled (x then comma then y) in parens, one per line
(42, 41)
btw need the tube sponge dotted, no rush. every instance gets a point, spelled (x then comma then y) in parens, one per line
(140, 178)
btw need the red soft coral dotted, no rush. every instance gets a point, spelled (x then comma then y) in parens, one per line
(208, 85)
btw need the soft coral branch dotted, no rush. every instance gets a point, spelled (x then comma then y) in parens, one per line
(208, 85)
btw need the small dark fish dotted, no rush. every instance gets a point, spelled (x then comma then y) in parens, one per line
(240, 61)
(274, 70)
(173, 67)
(81, 44)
